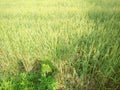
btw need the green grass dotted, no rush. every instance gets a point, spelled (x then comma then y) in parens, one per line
(59, 45)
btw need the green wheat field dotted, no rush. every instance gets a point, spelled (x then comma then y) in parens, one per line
(59, 44)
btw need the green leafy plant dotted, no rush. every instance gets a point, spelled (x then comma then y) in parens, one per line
(42, 79)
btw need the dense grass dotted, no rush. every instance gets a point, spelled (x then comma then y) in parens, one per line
(59, 44)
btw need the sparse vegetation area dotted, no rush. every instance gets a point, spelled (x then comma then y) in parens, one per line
(59, 45)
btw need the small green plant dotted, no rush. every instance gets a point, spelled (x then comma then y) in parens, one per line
(42, 79)
(6, 85)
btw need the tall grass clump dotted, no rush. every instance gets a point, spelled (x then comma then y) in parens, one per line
(59, 45)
